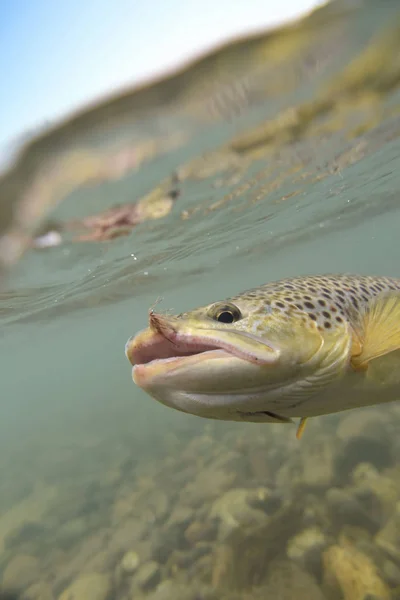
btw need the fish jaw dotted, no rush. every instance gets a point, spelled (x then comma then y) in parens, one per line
(192, 369)
(154, 357)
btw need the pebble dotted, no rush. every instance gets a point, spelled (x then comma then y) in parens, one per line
(126, 534)
(388, 538)
(21, 572)
(265, 499)
(234, 511)
(377, 492)
(89, 555)
(350, 574)
(346, 509)
(130, 562)
(181, 516)
(200, 532)
(209, 483)
(147, 576)
(172, 590)
(286, 581)
(306, 549)
(38, 591)
(71, 532)
(89, 586)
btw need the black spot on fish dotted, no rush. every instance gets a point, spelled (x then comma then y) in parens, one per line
(354, 301)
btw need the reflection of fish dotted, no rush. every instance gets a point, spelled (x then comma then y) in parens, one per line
(299, 347)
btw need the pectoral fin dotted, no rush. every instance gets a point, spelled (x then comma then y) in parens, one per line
(301, 427)
(265, 416)
(378, 329)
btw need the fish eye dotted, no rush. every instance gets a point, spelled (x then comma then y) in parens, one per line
(229, 313)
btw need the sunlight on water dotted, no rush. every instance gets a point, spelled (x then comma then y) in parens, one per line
(236, 175)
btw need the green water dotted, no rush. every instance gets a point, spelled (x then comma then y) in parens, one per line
(86, 455)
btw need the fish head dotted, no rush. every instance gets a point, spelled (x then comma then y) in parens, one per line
(226, 359)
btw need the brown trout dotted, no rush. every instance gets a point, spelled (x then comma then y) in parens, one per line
(299, 347)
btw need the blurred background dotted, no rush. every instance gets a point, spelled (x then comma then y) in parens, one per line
(56, 58)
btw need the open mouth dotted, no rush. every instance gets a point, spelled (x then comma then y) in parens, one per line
(154, 356)
(162, 348)
(149, 349)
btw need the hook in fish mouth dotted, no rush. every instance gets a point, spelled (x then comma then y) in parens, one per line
(161, 324)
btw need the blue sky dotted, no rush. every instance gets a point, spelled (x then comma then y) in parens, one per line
(57, 55)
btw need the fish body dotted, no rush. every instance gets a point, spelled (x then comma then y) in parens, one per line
(299, 347)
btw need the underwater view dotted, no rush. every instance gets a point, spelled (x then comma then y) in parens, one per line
(273, 157)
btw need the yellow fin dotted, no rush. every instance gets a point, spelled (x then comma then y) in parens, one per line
(301, 427)
(378, 329)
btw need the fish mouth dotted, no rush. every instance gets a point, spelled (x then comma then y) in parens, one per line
(163, 350)
(153, 355)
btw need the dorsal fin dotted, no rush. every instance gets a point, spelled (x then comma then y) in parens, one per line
(378, 329)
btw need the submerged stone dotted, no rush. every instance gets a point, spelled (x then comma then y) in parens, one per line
(351, 574)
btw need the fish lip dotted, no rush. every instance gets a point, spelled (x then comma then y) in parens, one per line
(146, 374)
(147, 346)
(150, 350)
(141, 351)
